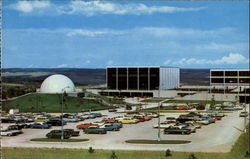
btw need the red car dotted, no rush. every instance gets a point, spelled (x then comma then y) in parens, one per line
(147, 118)
(215, 116)
(110, 120)
(140, 118)
(85, 125)
(181, 108)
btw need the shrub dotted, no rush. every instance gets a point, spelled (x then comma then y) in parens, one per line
(91, 150)
(168, 153)
(113, 155)
(192, 156)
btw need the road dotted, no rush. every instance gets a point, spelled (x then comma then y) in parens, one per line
(217, 137)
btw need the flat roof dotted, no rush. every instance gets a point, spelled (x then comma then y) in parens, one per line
(140, 67)
(230, 69)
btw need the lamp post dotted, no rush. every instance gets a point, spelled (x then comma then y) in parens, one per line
(63, 91)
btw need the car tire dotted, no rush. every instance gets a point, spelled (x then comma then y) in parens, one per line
(182, 133)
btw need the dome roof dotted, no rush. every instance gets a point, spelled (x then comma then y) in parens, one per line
(57, 84)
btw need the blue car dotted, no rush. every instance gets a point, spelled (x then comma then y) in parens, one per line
(40, 126)
(110, 127)
(209, 118)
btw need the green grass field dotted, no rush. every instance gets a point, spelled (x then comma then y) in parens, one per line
(238, 152)
(52, 103)
(58, 140)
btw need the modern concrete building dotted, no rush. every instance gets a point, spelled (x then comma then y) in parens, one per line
(238, 80)
(230, 77)
(142, 78)
(141, 81)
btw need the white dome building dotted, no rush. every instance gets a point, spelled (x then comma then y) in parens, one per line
(57, 84)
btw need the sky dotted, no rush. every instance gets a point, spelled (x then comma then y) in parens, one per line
(97, 34)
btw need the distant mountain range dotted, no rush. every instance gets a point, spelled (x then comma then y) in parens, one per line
(88, 76)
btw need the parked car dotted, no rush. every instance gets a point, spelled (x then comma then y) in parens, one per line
(85, 125)
(177, 130)
(7, 120)
(56, 134)
(96, 114)
(191, 127)
(71, 119)
(181, 107)
(40, 126)
(95, 130)
(165, 124)
(202, 121)
(110, 127)
(215, 116)
(41, 120)
(56, 122)
(129, 121)
(139, 117)
(110, 120)
(197, 125)
(8, 133)
(112, 110)
(72, 132)
(209, 118)
(243, 114)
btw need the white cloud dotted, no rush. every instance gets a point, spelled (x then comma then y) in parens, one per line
(91, 8)
(62, 65)
(232, 58)
(29, 6)
(91, 33)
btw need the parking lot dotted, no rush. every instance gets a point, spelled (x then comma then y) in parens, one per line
(217, 137)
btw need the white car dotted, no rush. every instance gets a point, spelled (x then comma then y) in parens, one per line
(7, 133)
(165, 124)
(202, 121)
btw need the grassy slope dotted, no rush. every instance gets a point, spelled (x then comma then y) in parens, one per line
(238, 152)
(51, 103)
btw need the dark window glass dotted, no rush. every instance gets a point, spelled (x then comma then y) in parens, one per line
(154, 78)
(143, 78)
(231, 73)
(231, 80)
(217, 73)
(244, 73)
(244, 80)
(122, 78)
(111, 78)
(133, 80)
(217, 80)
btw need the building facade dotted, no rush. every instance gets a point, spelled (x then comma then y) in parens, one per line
(230, 77)
(142, 78)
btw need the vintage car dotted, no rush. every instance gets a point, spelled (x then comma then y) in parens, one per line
(8, 133)
(127, 120)
(40, 126)
(57, 134)
(72, 132)
(112, 110)
(177, 130)
(110, 127)
(56, 122)
(202, 121)
(85, 125)
(95, 130)
(165, 124)
(71, 119)
(110, 120)
(243, 114)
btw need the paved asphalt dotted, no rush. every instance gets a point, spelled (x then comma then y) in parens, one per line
(217, 137)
